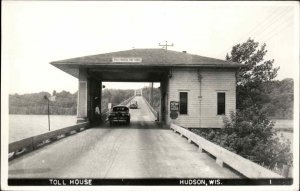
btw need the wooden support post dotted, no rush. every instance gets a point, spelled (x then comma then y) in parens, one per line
(77, 130)
(53, 139)
(82, 100)
(151, 95)
(285, 171)
(31, 147)
(220, 162)
(201, 149)
(48, 114)
(290, 174)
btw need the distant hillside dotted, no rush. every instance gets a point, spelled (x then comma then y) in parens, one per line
(65, 103)
(281, 98)
(35, 104)
(156, 97)
(114, 96)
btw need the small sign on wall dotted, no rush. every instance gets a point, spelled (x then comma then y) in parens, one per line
(173, 114)
(174, 106)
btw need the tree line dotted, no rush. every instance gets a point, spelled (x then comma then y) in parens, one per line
(156, 97)
(35, 104)
(114, 96)
(280, 98)
(64, 104)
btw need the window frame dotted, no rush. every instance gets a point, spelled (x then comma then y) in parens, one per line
(221, 92)
(187, 101)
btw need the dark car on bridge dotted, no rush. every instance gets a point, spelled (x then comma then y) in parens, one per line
(119, 114)
(133, 105)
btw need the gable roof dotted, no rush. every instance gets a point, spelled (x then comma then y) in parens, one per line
(149, 58)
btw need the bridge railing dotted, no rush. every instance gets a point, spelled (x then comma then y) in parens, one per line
(125, 102)
(240, 164)
(155, 113)
(31, 143)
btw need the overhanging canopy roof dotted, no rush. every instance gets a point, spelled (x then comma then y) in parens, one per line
(141, 58)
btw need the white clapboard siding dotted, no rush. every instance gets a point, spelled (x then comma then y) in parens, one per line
(186, 81)
(212, 81)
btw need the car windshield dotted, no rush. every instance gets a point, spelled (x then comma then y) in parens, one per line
(120, 109)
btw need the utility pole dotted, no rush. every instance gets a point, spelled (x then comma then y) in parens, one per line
(166, 45)
(48, 115)
(48, 102)
(151, 95)
(51, 98)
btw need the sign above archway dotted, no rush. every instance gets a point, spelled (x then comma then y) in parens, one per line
(124, 59)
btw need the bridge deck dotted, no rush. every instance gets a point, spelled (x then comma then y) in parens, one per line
(141, 150)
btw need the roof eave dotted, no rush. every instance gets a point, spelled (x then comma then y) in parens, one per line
(73, 67)
(235, 65)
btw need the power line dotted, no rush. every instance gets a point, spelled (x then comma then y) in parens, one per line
(254, 29)
(274, 28)
(269, 21)
(273, 13)
(274, 24)
(286, 26)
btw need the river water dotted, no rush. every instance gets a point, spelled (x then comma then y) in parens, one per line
(23, 126)
(285, 124)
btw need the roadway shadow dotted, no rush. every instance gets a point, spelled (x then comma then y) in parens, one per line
(133, 125)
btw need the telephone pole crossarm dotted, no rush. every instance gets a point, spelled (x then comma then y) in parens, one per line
(166, 45)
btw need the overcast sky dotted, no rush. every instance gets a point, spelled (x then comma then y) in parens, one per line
(36, 33)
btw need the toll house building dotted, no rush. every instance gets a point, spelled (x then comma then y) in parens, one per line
(196, 91)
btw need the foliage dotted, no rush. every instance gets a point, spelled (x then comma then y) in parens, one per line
(65, 103)
(255, 68)
(281, 104)
(250, 134)
(156, 97)
(254, 75)
(35, 103)
(256, 137)
(114, 96)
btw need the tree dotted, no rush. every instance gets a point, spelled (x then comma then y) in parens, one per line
(156, 97)
(249, 132)
(254, 139)
(282, 99)
(254, 76)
